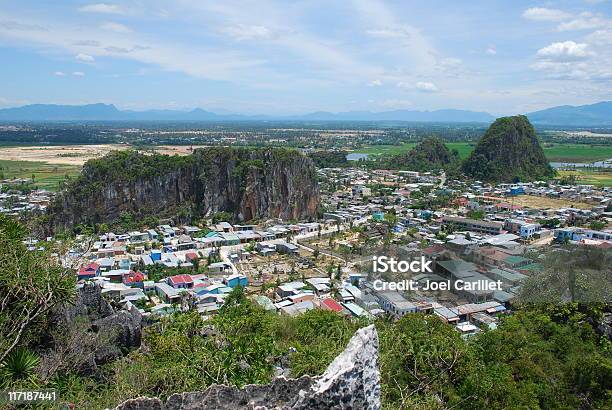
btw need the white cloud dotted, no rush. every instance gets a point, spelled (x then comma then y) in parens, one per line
(585, 21)
(87, 43)
(17, 26)
(375, 83)
(59, 73)
(600, 37)
(426, 87)
(84, 57)
(419, 86)
(102, 8)
(565, 51)
(491, 51)
(545, 14)
(78, 73)
(395, 32)
(248, 32)
(116, 27)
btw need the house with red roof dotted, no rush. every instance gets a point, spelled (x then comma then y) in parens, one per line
(191, 256)
(132, 278)
(180, 281)
(331, 304)
(89, 271)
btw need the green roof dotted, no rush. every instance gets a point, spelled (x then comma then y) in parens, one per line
(265, 302)
(533, 267)
(513, 259)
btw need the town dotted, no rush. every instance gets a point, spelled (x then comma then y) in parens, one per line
(475, 233)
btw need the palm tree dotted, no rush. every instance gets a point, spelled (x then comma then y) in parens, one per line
(18, 365)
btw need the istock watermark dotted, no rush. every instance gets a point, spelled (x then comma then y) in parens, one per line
(430, 285)
(382, 264)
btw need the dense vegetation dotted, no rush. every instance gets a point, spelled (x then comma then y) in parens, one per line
(329, 159)
(129, 166)
(431, 154)
(32, 284)
(508, 152)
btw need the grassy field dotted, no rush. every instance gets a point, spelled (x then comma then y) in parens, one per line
(45, 175)
(554, 152)
(577, 152)
(589, 176)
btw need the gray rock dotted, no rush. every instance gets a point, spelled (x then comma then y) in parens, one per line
(605, 325)
(126, 324)
(89, 302)
(352, 381)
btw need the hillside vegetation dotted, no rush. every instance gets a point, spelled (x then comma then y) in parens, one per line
(540, 357)
(428, 155)
(509, 151)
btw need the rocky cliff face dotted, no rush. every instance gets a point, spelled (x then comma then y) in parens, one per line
(352, 381)
(249, 184)
(509, 151)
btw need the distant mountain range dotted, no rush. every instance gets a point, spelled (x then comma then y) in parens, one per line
(108, 112)
(599, 114)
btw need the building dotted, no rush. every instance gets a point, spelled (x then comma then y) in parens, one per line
(467, 224)
(331, 304)
(286, 247)
(394, 304)
(167, 293)
(89, 272)
(236, 280)
(524, 229)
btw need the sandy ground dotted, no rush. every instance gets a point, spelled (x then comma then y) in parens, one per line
(544, 202)
(76, 154)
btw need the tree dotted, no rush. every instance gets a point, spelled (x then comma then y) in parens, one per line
(31, 285)
(221, 217)
(330, 270)
(573, 274)
(338, 273)
(551, 223)
(476, 214)
(126, 220)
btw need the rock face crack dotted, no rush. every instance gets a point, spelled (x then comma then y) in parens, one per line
(351, 381)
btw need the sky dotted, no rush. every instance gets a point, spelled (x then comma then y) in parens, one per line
(299, 56)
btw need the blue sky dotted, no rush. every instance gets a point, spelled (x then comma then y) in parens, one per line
(286, 57)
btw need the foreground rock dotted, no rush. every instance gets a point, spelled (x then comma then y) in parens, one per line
(87, 334)
(352, 381)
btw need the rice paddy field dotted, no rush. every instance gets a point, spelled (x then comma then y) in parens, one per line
(44, 175)
(554, 152)
(590, 176)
